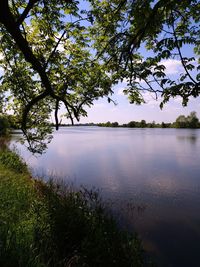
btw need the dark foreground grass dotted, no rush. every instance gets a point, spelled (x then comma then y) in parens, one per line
(46, 224)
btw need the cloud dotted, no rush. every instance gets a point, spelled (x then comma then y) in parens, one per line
(178, 100)
(99, 105)
(120, 91)
(173, 66)
(151, 100)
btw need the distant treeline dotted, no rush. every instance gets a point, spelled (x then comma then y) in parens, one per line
(182, 121)
(8, 122)
(191, 121)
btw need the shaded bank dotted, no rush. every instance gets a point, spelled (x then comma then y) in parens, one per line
(46, 224)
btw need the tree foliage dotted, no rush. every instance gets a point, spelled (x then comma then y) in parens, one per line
(163, 29)
(47, 62)
(191, 121)
(8, 122)
(69, 53)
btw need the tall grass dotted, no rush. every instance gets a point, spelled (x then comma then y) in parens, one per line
(11, 160)
(49, 224)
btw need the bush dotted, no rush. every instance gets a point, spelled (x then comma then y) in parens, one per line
(83, 234)
(12, 160)
(4, 126)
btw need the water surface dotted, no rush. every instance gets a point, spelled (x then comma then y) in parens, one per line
(151, 177)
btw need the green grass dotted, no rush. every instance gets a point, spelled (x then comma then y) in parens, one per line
(17, 220)
(49, 224)
(12, 161)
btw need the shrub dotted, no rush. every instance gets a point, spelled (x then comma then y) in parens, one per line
(12, 160)
(83, 233)
(4, 126)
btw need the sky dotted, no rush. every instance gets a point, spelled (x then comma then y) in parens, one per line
(123, 112)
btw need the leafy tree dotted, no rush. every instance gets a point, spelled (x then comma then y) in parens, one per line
(65, 53)
(48, 62)
(163, 125)
(115, 124)
(152, 124)
(190, 121)
(181, 122)
(108, 124)
(163, 28)
(132, 124)
(143, 123)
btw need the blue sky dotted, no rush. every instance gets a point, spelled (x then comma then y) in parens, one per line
(123, 112)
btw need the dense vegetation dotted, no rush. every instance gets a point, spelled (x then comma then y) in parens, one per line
(7, 122)
(50, 224)
(191, 121)
(136, 124)
(4, 126)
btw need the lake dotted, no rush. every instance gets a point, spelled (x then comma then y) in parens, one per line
(150, 177)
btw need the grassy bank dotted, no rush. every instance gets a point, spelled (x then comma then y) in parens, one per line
(46, 224)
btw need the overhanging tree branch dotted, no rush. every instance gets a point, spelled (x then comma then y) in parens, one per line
(180, 54)
(7, 19)
(29, 6)
(55, 48)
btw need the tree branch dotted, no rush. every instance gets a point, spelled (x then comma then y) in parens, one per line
(26, 11)
(180, 54)
(29, 106)
(55, 48)
(56, 114)
(7, 19)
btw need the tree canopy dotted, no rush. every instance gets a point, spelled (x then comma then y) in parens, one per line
(72, 52)
(163, 28)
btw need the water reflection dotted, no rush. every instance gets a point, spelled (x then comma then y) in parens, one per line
(189, 136)
(149, 177)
